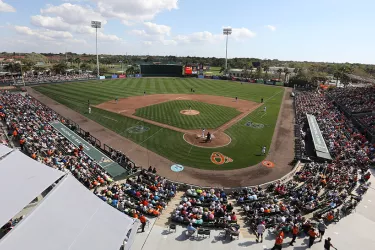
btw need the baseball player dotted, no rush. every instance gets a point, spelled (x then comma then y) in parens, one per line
(89, 110)
(116, 99)
(236, 98)
(265, 109)
(264, 150)
(203, 130)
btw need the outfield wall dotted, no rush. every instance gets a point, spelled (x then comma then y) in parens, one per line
(160, 70)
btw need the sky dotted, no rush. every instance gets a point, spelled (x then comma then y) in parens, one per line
(300, 30)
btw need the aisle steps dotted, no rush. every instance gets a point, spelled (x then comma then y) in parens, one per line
(163, 219)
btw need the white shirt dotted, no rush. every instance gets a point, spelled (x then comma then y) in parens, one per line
(260, 228)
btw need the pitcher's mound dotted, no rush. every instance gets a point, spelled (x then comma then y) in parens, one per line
(189, 112)
(219, 139)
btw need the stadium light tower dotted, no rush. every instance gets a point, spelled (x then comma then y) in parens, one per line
(226, 31)
(96, 25)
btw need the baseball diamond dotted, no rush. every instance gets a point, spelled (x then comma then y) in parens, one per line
(168, 131)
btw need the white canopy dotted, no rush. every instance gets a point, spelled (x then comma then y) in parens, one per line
(70, 218)
(4, 150)
(22, 179)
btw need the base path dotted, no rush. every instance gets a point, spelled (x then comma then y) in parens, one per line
(281, 151)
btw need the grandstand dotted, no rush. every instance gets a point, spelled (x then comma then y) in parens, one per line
(312, 194)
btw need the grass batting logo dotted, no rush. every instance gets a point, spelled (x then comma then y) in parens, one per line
(254, 125)
(139, 129)
(220, 159)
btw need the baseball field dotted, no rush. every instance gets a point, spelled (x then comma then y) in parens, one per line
(165, 116)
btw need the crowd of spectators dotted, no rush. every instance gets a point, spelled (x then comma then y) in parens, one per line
(199, 206)
(145, 194)
(35, 79)
(343, 139)
(354, 99)
(368, 121)
(27, 122)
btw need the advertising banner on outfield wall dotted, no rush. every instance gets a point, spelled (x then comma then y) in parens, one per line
(138, 75)
(114, 77)
(108, 77)
(101, 77)
(122, 76)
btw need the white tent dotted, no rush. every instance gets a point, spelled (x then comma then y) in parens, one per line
(4, 150)
(22, 179)
(70, 218)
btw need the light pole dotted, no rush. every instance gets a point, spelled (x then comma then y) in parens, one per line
(226, 31)
(96, 25)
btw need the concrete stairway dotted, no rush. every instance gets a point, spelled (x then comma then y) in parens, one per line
(245, 232)
(163, 219)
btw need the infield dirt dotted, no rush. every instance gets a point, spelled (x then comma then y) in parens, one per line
(128, 107)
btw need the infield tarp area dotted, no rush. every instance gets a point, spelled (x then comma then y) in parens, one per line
(114, 169)
(319, 144)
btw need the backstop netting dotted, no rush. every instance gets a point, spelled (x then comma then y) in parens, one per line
(161, 70)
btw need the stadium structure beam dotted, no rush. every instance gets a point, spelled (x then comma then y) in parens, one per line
(226, 31)
(96, 25)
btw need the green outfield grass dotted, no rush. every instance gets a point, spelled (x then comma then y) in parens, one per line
(246, 141)
(211, 116)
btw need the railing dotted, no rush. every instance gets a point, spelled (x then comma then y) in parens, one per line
(185, 186)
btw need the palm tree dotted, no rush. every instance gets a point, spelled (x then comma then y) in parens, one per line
(337, 75)
(60, 67)
(130, 70)
(266, 68)
(296, 70)
(280, 71)
(13, 67)
(286, 72)
(78, 62)
(345, 79)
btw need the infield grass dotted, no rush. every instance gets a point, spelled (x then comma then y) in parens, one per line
(210, 116)
(246, 141)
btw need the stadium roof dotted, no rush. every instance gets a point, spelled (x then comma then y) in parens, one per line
(70, 218)
(22, 179)
(360, 78)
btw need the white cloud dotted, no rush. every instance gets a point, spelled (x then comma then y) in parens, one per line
(148, 43)
(157, 29)
(55, 23)
(43, 34)
(271, 27)
(74, 14)
(242, 33)
(4, 7)
(108, 38)
(134, 10)
(139, 33)
(199, 37)
(168, 42)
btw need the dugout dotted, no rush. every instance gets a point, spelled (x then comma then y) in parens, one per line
(161, 70)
